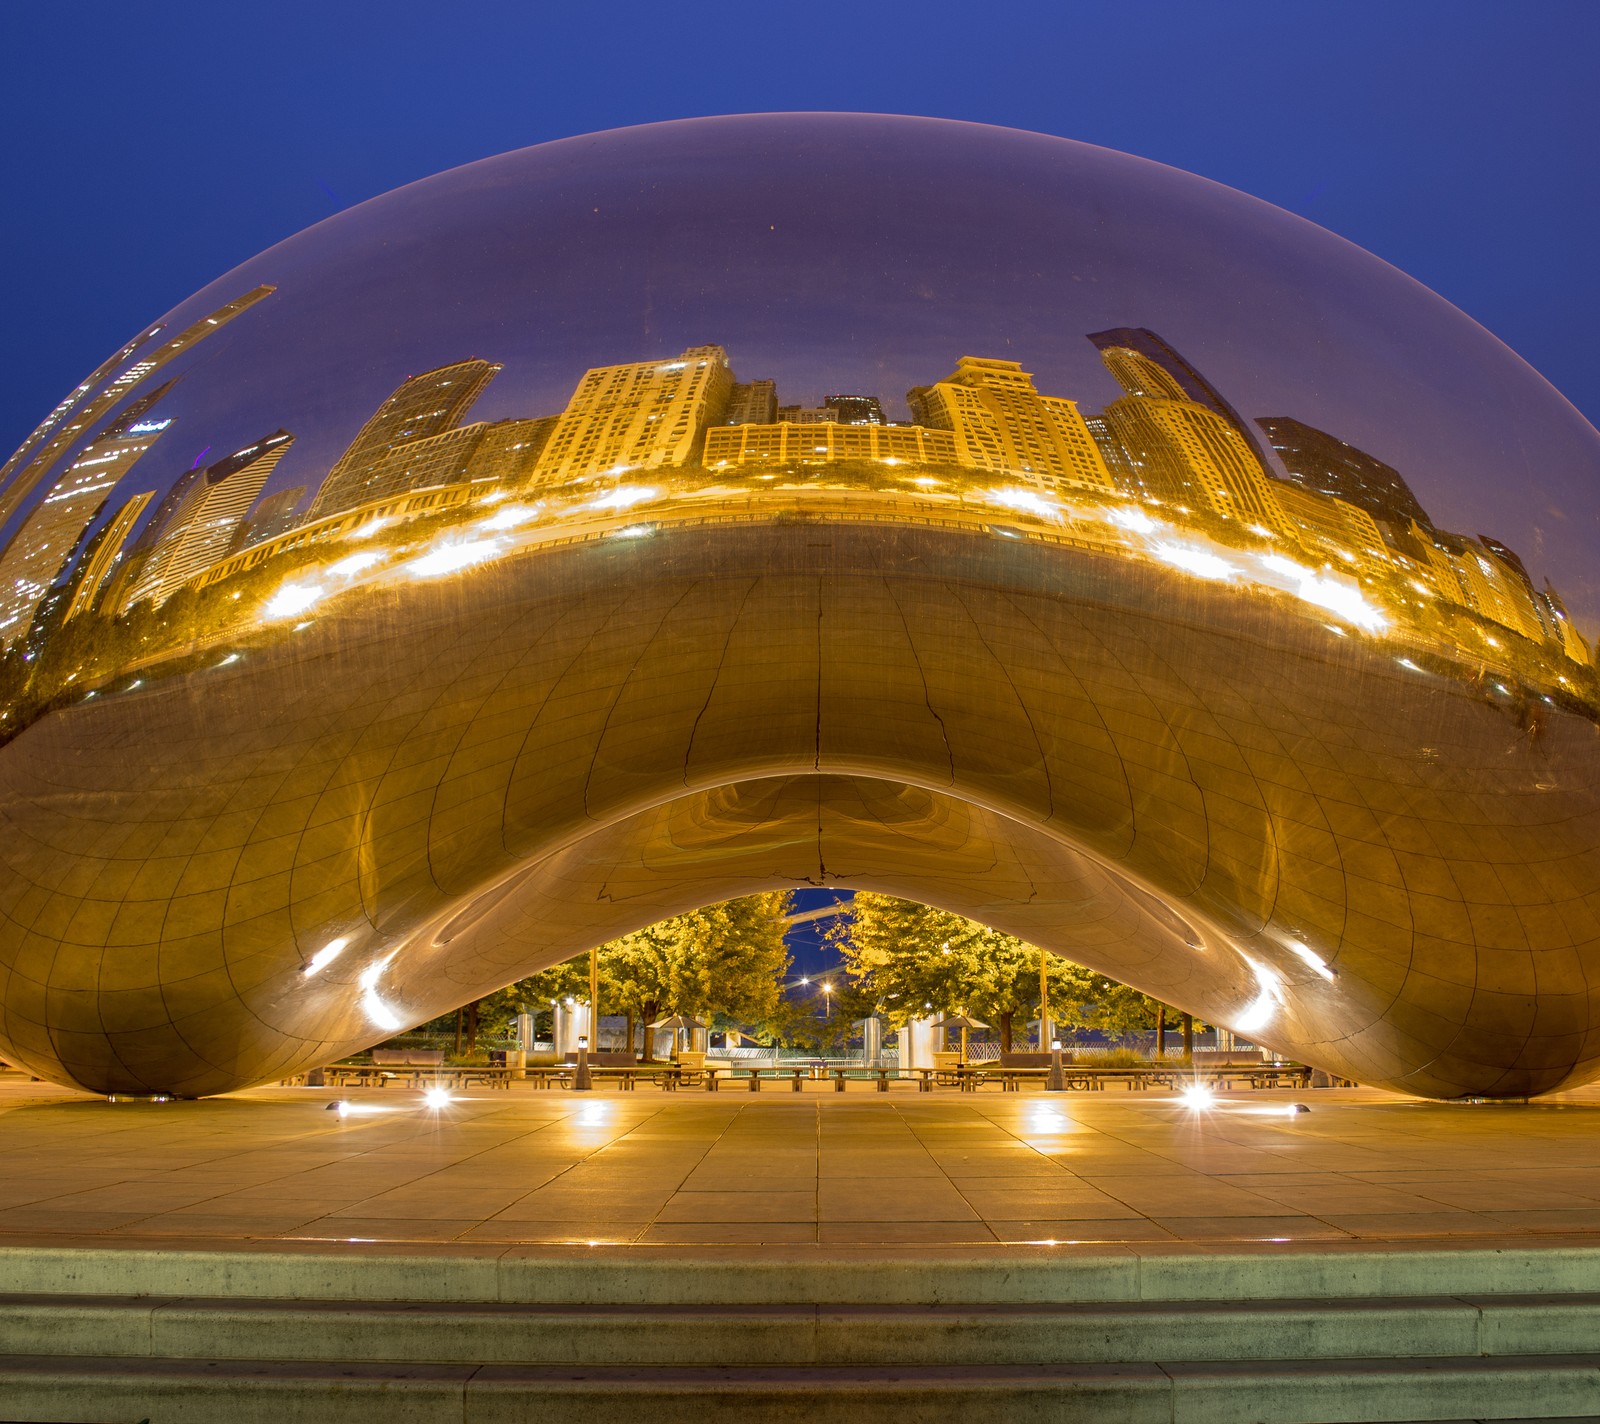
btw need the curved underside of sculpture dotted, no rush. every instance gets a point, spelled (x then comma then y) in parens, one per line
(1382, 869)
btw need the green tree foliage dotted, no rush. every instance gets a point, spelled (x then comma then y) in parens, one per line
(914, 959)
(723, 963)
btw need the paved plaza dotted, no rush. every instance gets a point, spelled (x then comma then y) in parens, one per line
(820, 1168)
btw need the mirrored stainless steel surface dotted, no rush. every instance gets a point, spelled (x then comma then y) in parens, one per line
(647, 518)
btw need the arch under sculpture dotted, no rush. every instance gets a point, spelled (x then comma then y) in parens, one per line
(1218, 704)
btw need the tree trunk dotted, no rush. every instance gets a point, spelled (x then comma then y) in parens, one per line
(1005, 1033)
(1188, 1037)
(1161, 1031)
(649, 1036)
(458, 1033)
(472, 1026)
(631, 1024)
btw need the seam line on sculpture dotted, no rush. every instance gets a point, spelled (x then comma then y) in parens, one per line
(922, 676)
(622, 686)
(716, 678)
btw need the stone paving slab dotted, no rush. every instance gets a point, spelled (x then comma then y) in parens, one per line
(820, 1169)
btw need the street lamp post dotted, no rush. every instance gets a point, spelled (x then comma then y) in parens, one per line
(581, 1081)
(1045, 1035)
(1056, 1082)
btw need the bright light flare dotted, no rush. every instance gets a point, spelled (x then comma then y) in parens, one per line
(292, 600)
(623, 497)
(353, 564)
(1260, 1011)
(452, 558)
(1198, 1098)
(372, 1005)
(327, 954)
(437, 1098)
(1025, 500)
(1309, 957)
(1194, 560)
(511, 517)
(1127, 517)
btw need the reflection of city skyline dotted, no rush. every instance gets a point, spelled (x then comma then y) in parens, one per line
(1169, 471)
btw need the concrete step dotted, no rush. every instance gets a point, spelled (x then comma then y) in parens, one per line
(49, 1388)
(799, 1335)
(788, 1276)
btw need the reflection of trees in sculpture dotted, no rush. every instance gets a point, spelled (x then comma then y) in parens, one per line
(1168, 473)
(721, 960)
(913, 959)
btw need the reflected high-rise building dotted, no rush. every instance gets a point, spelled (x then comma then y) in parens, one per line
(199, 527)
(1002, 424)
(275, 514)
(1315, 460)
(1179, 450)
(855, 410)
(486, 451)
(787, 442)
(423, 408)
(100, 558)
(1145, 364)
(752, 403)
(641, 416)
(30, 475)
(47, 539)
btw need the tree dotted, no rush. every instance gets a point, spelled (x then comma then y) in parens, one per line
(722, 962)
(916, 959)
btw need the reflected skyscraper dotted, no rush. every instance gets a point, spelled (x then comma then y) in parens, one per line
(752, 403)
(44, 544)
(104, 550)
(1145, 364)
(1180, 449)
(640, 416)
(1001, 423)
(83, 417)
(1315, 460)
(424, 408)
(201, 526)
(855, 410)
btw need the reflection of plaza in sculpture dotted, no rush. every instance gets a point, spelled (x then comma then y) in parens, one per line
(1168, 473)
(423, 603)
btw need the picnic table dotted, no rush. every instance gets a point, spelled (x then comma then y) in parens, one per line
(1087, 1077)
(414, 1075)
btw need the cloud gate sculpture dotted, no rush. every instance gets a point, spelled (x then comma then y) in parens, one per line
(657, 516)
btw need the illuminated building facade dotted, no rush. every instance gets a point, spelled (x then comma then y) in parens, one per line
(83, 414)
(1301, 740)
(1001, 423)
(1146, 364)
(826, 443)
(202, 525)
(44, 544)
(103, 553)
(639, 416)
(424, 409)
(1187, 450)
